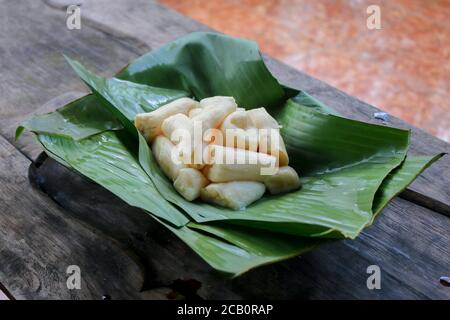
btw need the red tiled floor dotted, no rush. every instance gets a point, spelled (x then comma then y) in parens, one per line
(404, 68)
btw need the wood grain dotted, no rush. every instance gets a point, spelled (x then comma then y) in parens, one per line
(156, 246)
(38, 243)
(33, 39)
(410, 265)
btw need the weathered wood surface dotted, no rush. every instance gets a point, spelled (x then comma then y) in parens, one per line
(410, 265)
(33, 38)
(114, 33)
(38, 243)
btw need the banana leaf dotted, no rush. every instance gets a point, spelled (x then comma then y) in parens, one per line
(345, 160)
(79, 119)
(229, 249)
(89, 157)
(350, 169)
(399, 178)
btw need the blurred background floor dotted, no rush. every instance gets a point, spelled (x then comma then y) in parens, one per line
(404, 68)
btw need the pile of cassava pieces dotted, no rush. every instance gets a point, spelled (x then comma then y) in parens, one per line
(216, 151)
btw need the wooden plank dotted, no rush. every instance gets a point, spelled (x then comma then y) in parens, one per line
(153, 25)
(407, 242)
(33, 38)
(158, 248)
(38, 243)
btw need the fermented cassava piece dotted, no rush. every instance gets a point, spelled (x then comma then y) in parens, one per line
(189, 183)
(218, 101)
(216, 151)
(214, 111)
(236, 194)
(230, 164)
(149, 124)
(285, 180)
(163, 150)
(270, 140)
(194, 111)
(178, 121)
(179, 128)
(239, 131)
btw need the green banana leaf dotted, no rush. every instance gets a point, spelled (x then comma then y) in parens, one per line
(79, 119)
(204, 64)
(346, 160)
(350, 169)
(107, 159)
(399, 178)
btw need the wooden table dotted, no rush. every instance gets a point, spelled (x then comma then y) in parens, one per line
(51, 218)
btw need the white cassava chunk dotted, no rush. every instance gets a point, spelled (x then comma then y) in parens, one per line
(198, 155)
(262, 119)
(221, 101)
(180, 130)
(198, 166)
(194, 112)
(189, 183)
(230, 164)
(163, 150)
(272, 143)
(285, 180)
(235, 195)
(149, 124)
(269, 141)
(215, 109)
(239, 131)
(176, 122)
